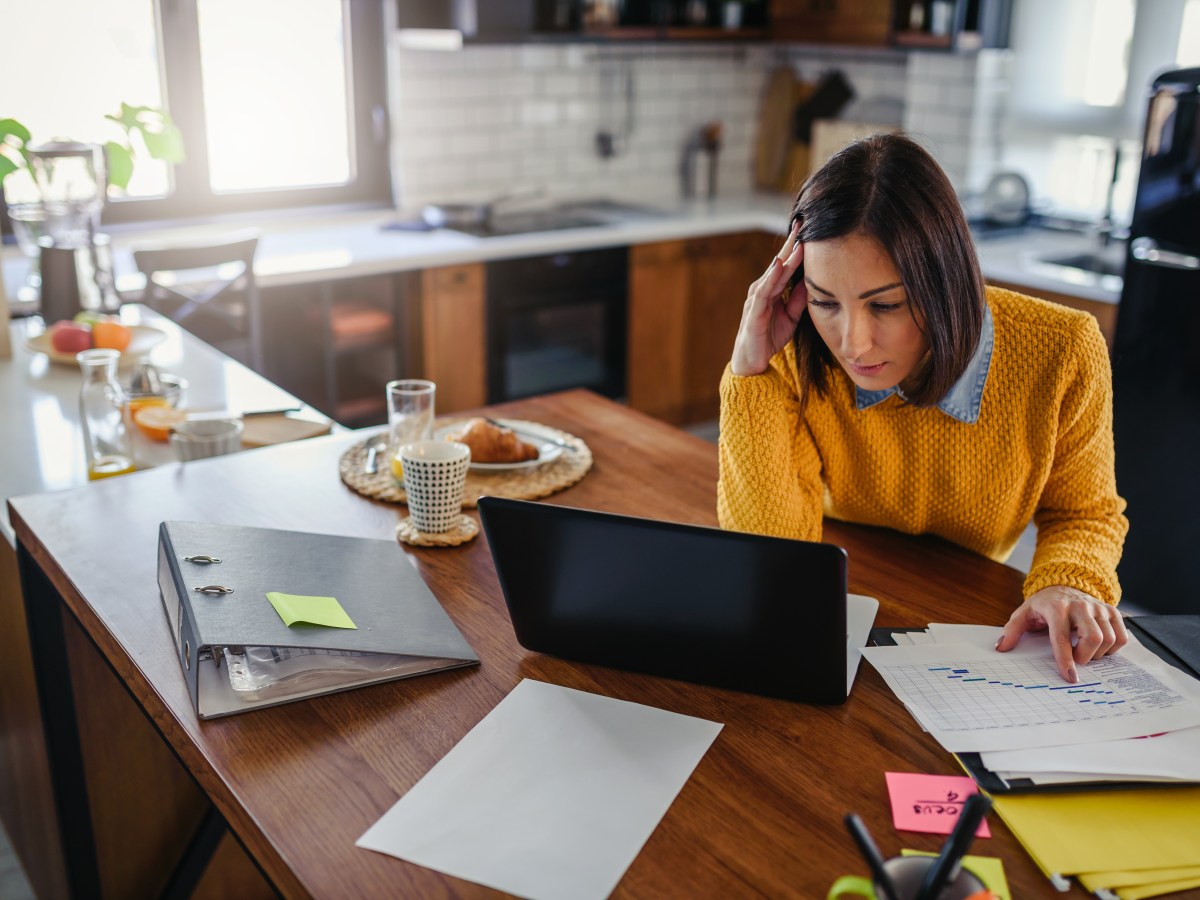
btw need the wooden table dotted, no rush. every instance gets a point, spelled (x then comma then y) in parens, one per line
(298, 784)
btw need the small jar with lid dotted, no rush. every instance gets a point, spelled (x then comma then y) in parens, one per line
(106, 441)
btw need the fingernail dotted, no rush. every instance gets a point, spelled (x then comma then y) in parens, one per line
(998, 640)
(1072, 676)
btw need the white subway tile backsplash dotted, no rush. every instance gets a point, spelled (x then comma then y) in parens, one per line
(473, 122)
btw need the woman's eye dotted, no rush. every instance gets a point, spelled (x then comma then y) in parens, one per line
(887, 307)
(822, 304)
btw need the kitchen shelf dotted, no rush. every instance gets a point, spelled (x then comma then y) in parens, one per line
(675, 33)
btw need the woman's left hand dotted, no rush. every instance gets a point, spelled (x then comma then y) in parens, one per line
(1065, 611)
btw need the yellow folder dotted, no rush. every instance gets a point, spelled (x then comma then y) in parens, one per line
(1107, 831)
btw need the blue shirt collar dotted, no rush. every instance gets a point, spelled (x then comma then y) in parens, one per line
(962, 401)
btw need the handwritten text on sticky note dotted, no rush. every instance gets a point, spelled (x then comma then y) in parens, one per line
(293, 608)
(930, 803)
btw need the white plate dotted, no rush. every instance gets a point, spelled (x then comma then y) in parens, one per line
(545, 439)
(144, 339)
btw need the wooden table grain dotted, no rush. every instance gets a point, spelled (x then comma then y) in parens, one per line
(298, 784)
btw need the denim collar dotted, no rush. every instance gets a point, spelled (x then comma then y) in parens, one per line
(962, 401)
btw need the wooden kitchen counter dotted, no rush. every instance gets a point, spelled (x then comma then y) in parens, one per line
(298, 784)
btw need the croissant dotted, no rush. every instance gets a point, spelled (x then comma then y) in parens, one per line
(492, 444)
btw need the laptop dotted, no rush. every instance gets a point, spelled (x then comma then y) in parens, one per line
(750, 613)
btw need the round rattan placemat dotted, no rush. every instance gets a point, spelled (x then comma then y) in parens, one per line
(463, 531)
(516, 484)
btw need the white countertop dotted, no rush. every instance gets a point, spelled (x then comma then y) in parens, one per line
(39, 405)
(307, 248)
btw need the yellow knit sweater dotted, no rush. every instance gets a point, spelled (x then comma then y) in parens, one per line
(1042, 449)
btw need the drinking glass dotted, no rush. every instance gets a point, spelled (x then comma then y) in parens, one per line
(410, 417)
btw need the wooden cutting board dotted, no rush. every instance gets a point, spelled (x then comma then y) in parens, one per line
(260, 431)
(831, 135)
(775, 128)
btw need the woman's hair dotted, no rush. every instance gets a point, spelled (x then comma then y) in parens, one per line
(887, 187)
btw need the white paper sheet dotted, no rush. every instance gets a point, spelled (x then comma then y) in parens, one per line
(551, 795)
(1172, 755)
(860, 616)
(974, 699)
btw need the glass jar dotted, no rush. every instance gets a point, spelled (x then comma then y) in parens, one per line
(106, 441)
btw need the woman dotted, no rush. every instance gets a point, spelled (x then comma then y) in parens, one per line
(875, 379)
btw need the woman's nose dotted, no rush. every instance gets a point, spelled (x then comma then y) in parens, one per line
(857, 337)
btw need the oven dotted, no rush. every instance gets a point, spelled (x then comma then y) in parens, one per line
(556, 322)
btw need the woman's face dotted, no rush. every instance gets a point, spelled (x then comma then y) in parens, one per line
(861, 311)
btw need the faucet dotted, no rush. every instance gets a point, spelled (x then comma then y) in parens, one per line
(705, 140)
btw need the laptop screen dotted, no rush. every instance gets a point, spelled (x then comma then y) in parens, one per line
(747, 612)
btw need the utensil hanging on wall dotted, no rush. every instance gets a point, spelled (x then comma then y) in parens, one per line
(616, 123)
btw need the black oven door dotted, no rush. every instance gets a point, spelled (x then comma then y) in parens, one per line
(557, 322)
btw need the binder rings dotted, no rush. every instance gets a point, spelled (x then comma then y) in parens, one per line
(213, 580)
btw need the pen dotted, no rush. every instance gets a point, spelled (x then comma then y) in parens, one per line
(870, 853)
(946, 866)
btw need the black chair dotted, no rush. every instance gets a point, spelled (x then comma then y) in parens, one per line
(211, 292)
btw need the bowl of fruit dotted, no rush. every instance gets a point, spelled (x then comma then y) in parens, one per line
(88, 330)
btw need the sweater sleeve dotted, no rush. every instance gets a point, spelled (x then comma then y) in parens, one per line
(1080, 518)
(770, 471)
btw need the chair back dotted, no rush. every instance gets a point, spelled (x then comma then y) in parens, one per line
(211, 291)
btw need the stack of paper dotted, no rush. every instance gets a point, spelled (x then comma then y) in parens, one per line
(1130, 718)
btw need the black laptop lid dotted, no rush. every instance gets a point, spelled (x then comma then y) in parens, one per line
(740, 611)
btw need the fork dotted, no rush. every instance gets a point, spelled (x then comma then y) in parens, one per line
(371, 466)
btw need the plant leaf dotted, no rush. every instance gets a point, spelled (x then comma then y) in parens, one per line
(7, 167)
(165, 144)
(120, 164)
(15, 128)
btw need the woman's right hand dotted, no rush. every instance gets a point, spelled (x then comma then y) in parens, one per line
(770, 315)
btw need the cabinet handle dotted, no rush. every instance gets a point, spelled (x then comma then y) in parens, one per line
(1146, 250)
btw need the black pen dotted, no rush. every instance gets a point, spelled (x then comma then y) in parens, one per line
(870, 853)
(945, 867)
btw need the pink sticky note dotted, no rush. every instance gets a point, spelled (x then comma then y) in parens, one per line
(930, 803)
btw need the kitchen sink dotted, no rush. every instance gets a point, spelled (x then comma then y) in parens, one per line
(1100, 264)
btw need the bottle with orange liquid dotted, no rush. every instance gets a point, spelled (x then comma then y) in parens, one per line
(106, 441)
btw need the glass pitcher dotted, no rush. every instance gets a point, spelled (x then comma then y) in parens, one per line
(106, 440)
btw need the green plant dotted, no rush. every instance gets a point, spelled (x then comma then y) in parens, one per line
(153, 127)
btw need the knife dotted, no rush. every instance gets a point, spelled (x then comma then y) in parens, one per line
(557, 442)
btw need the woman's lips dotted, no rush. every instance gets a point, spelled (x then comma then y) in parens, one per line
(866, 371)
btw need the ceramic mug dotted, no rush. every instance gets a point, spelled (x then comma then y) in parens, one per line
(435, 473)
(202, 438)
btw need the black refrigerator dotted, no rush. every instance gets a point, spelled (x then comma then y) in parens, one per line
(1156, 358)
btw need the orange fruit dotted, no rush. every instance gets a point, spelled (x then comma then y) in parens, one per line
(111, 334)
(156, 421)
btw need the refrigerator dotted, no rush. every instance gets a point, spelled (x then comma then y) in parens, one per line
(1156, 358)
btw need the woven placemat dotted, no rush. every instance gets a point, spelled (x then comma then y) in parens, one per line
(464, 530)
(516, 484)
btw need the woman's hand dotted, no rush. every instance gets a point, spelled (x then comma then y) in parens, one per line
(1065, 611)
(770, 315)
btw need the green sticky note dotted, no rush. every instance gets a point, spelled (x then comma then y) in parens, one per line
(293, 608)
(988, 869)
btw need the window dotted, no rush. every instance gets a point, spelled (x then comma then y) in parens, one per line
(1074, 104)
(281, 102)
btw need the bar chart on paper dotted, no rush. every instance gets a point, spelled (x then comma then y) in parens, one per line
(978, 700)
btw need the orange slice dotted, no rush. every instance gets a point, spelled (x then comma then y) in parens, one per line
(156, 422)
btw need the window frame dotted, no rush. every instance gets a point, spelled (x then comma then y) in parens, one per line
(191, 197)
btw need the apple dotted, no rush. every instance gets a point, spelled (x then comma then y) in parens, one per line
(70, 337)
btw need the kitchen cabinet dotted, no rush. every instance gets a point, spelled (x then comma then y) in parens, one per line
(453, 335)
(685, 303)
(863, 22)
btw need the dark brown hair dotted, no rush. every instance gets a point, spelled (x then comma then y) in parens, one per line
(889, 188)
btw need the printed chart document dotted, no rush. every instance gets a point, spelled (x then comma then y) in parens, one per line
(551, 795)
(974, 699)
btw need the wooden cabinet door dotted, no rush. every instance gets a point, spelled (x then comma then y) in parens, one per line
(454, 335)
(685, 303)
(831, 21)
(660, 282)
(723, 268)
